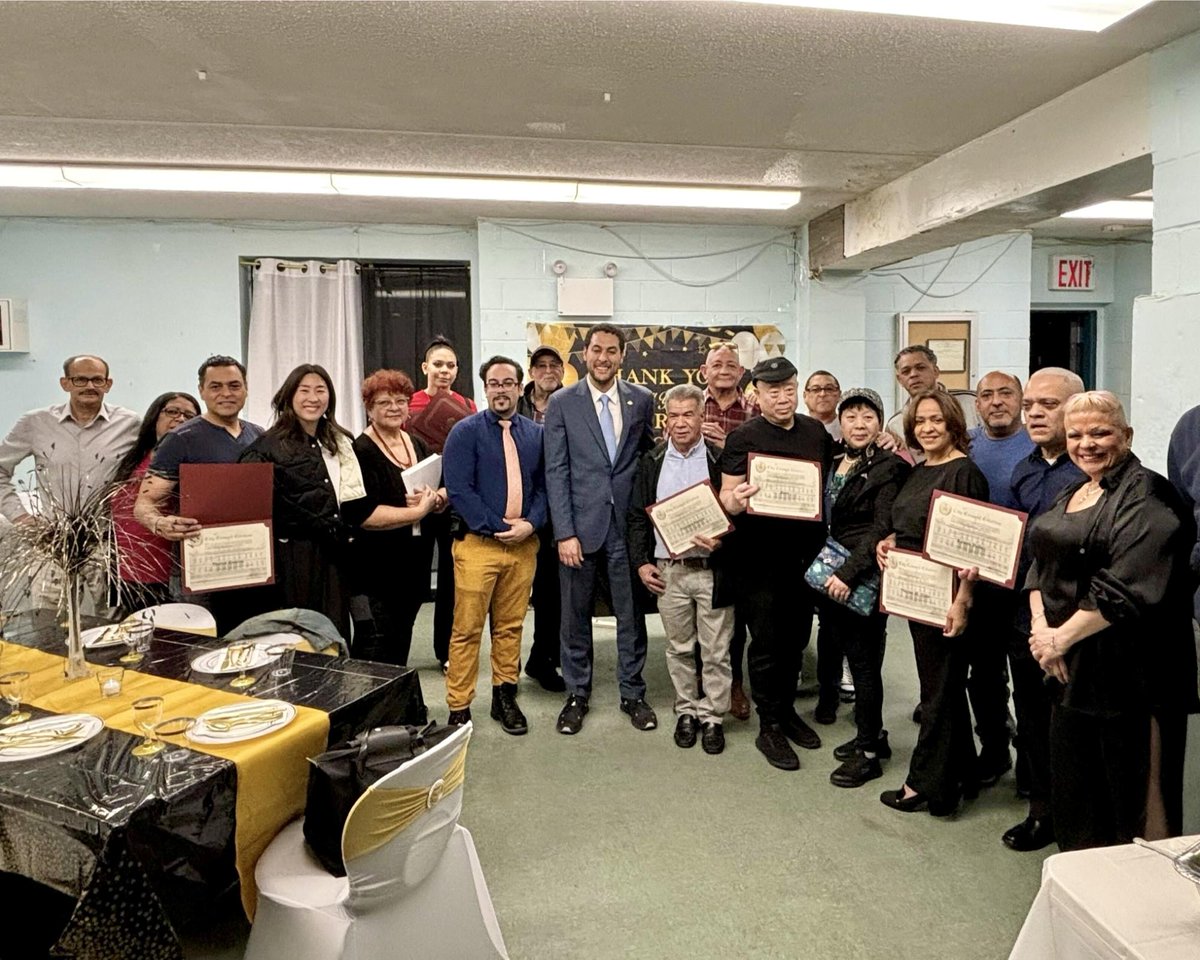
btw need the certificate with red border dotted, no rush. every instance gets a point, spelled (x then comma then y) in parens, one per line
(693, 511)
(962, 532)
(916, 588)
(788, 487)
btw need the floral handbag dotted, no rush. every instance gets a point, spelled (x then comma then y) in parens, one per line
(863, 599)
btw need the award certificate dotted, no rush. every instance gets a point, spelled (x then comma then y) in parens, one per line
(693, 511)
(227, 556)
(969, 533)
(916, 588)
(787, 487)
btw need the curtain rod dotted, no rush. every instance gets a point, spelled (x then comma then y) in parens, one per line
(300, 265)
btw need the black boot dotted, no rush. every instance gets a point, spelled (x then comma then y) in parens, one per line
(505, 709)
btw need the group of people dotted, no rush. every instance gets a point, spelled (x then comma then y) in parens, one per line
(544, 494)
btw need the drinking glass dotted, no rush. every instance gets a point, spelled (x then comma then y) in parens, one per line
(12, 688)
(175, 727)
(286, 652)
(147, 712)
(137, 638)
(241, 653)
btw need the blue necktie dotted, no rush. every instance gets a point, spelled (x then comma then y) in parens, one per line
(607, 429)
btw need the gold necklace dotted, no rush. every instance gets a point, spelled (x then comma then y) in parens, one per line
(404, 462)
(1091, 491)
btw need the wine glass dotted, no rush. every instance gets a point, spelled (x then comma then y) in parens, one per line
(12, 688)
(175, 727)
(137, 638)
(241, 653)
(147, 712)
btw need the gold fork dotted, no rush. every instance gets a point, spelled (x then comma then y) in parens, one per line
(228, 722)
(39, 737)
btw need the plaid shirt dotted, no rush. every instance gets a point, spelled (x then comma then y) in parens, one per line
(732, 416)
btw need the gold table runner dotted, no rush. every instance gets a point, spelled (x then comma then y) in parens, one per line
(272, 771)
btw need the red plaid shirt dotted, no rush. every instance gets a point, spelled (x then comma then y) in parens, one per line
(733, 416)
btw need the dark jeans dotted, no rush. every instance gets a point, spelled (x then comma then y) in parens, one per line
(779, 616)
(861, 640)
(943, 761)
(993, 614)
(830, 651)
(438, 526)
(384, 632)
(547, 607)
(578, 597)
(1032, 699)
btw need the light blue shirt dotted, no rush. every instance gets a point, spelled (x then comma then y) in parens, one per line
(680, 471)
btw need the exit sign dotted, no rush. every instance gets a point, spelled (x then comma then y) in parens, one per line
(1072, 273)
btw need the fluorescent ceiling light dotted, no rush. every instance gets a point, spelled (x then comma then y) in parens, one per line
(189, 180)
(1093, 15)
(1115, 210)
(454, 188)
(414, 186)
(651, 195)
(32, 175)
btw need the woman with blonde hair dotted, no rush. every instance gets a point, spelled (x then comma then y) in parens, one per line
(1110, 595)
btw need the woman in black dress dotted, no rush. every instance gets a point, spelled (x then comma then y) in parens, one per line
(316, 476)
(861, 490)
(942, 768)
(392, 565)
(1110, 595)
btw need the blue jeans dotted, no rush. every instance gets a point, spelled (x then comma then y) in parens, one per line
(578, 597)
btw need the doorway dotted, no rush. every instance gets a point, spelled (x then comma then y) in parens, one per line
(1064, 338)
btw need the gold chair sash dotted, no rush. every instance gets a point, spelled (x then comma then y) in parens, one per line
(380, 814)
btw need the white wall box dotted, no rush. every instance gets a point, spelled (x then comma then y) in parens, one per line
(585, 297)
(14, 326)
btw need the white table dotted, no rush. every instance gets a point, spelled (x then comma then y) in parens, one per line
(1123, 903)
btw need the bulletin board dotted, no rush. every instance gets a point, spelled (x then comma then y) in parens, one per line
(950, 336)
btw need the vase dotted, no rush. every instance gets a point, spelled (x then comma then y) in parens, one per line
(77, 665)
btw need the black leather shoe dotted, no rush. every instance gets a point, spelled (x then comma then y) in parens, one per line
(1029, 834)
(505, 709)
(773, 745)
(686, 729)
(546, 676)
(570, 719)
(856, 771)
(459, 717)
(825, 712)
(992, 768)
(898, 801)
(713, 738)
(800, 733)
(641, 714)
(850, 748)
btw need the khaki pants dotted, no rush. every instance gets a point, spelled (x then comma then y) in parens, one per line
(688, 615)
(489, 577)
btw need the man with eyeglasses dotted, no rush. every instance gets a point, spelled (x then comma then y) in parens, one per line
(76, 447)
(821, 394)
(494, 477)
(546, 370)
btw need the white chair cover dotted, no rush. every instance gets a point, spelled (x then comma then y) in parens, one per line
(184, 617)
(421, 894)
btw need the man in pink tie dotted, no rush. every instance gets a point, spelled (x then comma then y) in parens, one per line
(492, 466)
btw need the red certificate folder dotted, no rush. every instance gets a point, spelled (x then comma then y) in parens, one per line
(225, 496)
(433, 423)
(226, 492)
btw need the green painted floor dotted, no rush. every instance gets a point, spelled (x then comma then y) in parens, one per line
(615, 843)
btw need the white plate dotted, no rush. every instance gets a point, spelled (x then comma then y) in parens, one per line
(201, 733)
(97, 638)
(213, 661)
(89, 727)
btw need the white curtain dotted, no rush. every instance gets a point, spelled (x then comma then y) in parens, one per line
(305, 312)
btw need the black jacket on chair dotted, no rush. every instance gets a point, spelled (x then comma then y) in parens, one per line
(641, 530)
(861, 515)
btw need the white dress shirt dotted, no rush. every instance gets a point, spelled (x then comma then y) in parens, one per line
(614, 405)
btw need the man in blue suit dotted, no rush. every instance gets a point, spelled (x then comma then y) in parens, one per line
(595, 433)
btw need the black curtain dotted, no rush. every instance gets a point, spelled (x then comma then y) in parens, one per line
(407, 304)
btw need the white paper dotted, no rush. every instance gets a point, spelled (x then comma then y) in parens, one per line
(966, 533)
(426, 473)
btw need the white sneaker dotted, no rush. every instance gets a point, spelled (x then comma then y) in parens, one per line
(846, 687)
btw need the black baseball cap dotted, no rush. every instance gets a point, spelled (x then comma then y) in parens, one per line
(774, 370)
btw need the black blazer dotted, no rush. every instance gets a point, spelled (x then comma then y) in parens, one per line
(861, 515)
(641, 530)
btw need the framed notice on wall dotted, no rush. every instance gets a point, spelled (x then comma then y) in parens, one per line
(950, 336)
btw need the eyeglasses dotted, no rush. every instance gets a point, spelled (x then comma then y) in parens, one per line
(391, 404)
(821, 390)
(500, 384)
(88, 381)
(175, 413)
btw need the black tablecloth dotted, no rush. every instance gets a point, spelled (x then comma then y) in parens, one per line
(145, 845)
